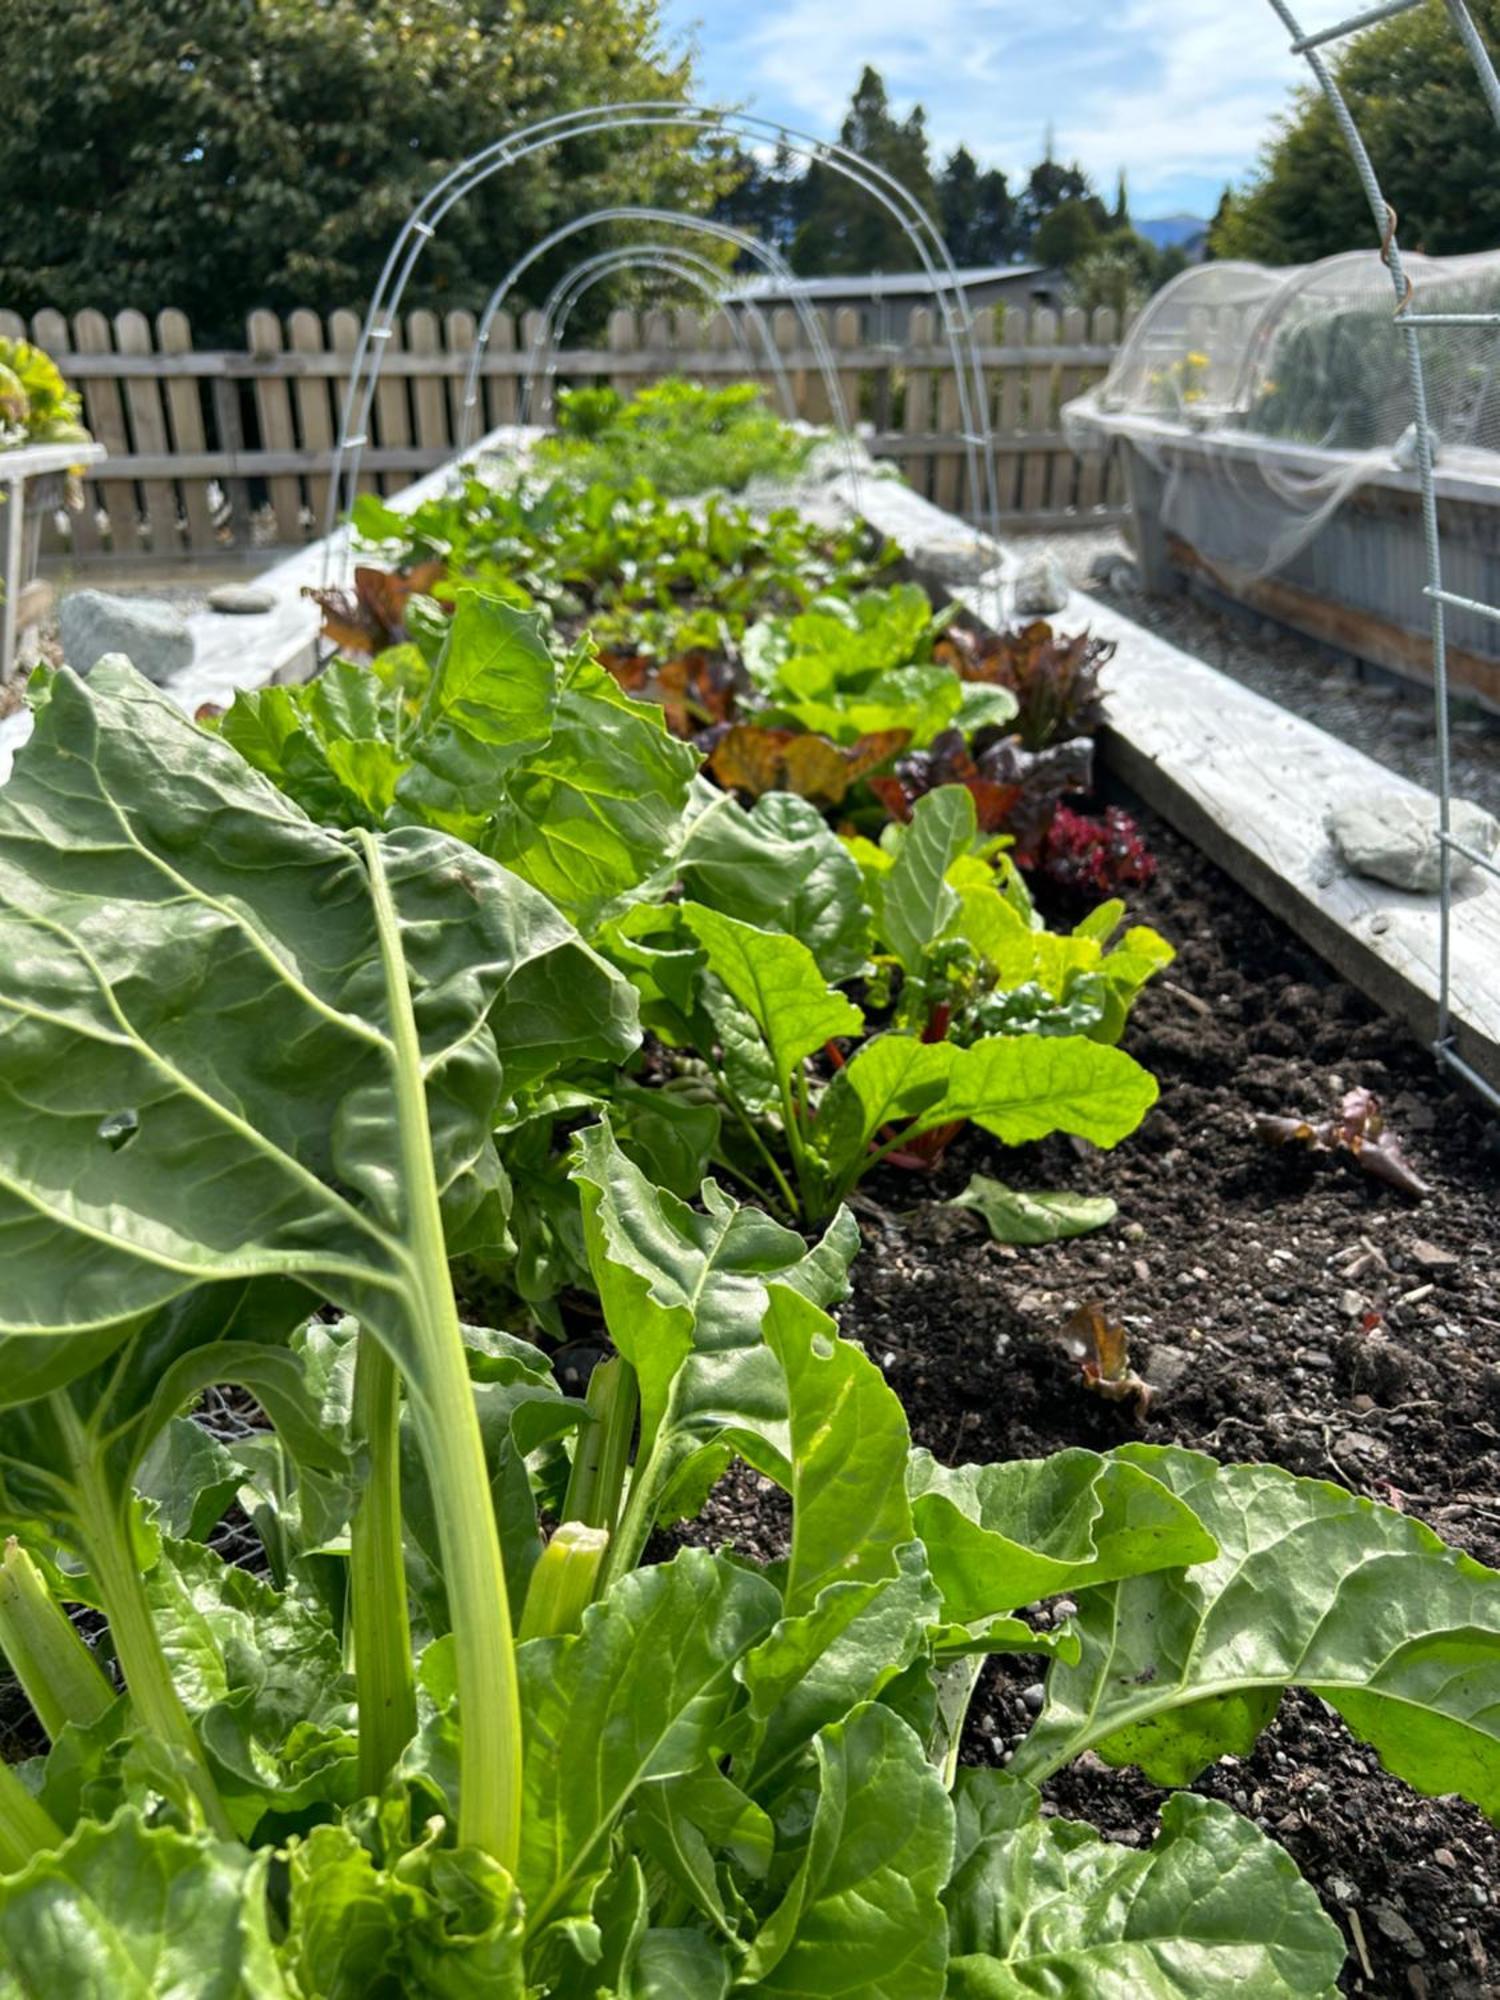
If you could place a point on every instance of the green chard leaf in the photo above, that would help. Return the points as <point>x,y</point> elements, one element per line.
<point>1000,1536</point>
<point>287,1065</point>
<point>591,814</point>
<point>856,1599</point>
<point>776,979</point>
<point>685,1298</point>
<point>916,904</point>
<point>862,1914</point>
<point>1312,1588</point>
<point>781,867</point>
<point>644,1692</point>
<point>446,1924</point>
<point>1021,1215</point>
<point>130,1912</point>
<point>1044,1909</point>
<point>1019,1087</point>
<point>549,768</point>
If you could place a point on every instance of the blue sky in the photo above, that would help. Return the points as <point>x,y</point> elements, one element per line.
<point>1178,92</point>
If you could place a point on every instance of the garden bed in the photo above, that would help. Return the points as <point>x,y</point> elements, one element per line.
<point>539,1093</point>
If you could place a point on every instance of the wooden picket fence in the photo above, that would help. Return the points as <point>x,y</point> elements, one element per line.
<point>212,451</point>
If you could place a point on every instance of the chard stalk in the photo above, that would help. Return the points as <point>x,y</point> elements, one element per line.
<point>447,1424</point>
<point>602,1457</point>
<point>382,1625</point>
<point>58,1674</point>
<point>26,1827</point>
<point>108,1547</point>
<point>648,1482</point>
<point>562,1584</point>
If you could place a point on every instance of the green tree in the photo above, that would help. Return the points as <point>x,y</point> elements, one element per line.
<point>975,210</point>
<point>1430,134</point>
<point>219,155</point>
<point>1068,234</point>
<point>845,229</point>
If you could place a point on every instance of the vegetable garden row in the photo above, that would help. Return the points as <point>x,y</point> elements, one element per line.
<point>477,1059</point>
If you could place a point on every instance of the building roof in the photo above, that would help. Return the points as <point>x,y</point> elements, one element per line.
<point>884,284</point>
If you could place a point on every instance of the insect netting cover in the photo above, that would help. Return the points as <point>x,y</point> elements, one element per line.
<point>1266,398</point>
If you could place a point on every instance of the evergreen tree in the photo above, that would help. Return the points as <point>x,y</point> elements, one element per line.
<point>844,229</point>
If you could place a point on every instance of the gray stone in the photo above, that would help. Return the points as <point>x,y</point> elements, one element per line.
<point>153,636</point>
<point>1042,587</point>
<point>1392,836</point>
<point>241,600</point>
<point>962,557</point>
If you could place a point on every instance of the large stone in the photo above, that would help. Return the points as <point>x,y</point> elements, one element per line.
<point>960,557</point>
<point>153,636</point>
<point>1392,836</point>
<point>241,600</point>
<point>1042,587</point>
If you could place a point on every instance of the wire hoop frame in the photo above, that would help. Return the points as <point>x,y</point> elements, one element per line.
<point>647,114</point>
<point>722,232</point>
<point>701,274</point>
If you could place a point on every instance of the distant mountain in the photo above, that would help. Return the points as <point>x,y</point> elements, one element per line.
<point>1172,232</point>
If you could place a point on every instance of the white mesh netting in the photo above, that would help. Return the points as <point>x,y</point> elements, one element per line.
<point>1266,398</point>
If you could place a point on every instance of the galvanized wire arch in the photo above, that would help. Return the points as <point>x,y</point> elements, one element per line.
<point>1311,46</point>
<point>721,232</point>
<point>702,275</point>
<point>423,223</point>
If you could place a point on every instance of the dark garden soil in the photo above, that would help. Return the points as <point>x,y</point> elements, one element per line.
<point>1285,1308</point>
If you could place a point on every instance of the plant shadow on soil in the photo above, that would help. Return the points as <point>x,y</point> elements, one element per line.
<point>1244,1277</point>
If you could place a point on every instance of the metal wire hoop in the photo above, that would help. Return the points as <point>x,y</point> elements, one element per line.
<point>704,276</point>
<point>721,232</point>
<point>920,230</point>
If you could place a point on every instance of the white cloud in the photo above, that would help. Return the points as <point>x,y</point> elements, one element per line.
<point>1178,92</point>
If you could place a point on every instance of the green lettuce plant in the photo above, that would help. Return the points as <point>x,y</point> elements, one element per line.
<point>859,665</point>
<point>682,436</point>
<point>973,957</point>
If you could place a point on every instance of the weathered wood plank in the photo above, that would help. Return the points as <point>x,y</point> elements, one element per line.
<point>104,413</point>
<point>315,413</point>
<point>185,414</point>
<point>273,408</point>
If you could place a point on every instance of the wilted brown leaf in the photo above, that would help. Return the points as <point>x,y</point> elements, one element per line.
<point>1357,1127</point>
<point>1099,1347</point>
<point>756,761</point>
<point>372,616</point>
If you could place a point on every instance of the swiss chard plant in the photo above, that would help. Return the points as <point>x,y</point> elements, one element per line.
<point>732,1774</point>
<point>806,1115</point>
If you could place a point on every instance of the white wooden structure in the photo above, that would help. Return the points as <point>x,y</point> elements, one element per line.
<point>17,467</point>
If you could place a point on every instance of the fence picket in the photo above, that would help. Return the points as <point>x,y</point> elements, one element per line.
<point>273,408</point>
<point>917,415</point>
<point>314,399</point>
<point>261,424</point>
<point>185,416</point>
<point>104,413</point>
